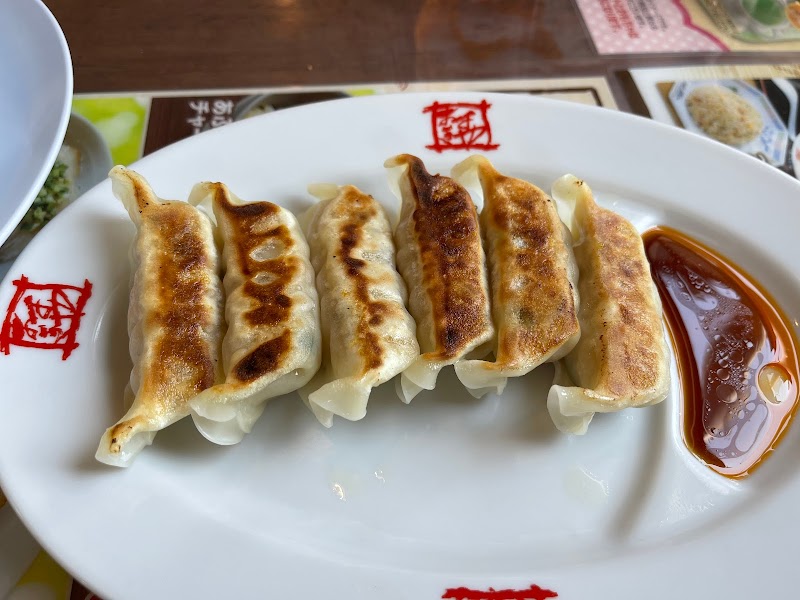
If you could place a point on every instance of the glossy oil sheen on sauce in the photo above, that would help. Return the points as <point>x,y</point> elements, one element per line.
<point>737,355</point>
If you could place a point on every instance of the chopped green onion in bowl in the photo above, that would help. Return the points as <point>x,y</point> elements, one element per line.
<point>55,190</point>
<point>58,191</point>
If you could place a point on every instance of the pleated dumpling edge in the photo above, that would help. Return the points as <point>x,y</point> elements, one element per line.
<point>441,259</point>
<point>622,359</point>
<point>175,278</point>
<point>368,335</point>
<point>272,344</point>
<point>532,274</point>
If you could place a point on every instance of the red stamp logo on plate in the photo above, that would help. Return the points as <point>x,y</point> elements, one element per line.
<point>45,316</point>
<point>460,126</point>
<point>534,592</point>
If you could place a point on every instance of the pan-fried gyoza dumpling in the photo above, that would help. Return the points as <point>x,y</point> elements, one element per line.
<point>272,344</point>
<point>622,357</point>
<point>441,259</point>
<point>368,336</point>
<point>174,315</point>
<point>532,275</point>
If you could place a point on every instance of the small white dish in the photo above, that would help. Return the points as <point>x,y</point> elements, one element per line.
<point>95,155</point>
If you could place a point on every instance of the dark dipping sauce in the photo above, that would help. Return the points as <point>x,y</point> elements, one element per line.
<point>737,356</point>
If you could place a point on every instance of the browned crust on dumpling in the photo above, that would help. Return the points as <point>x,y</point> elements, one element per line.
<point>121,432</point>
<point>628,338</point>
<point>179,281</point>
<point>357,209</point>
<point>141,191</point>
<point>531,260</point>
<point>448,239</point>
<point>245,228</point>
<point>266,358</point>
<point>180,359</point>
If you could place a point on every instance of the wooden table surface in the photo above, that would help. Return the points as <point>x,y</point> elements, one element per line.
<point>143,45</point>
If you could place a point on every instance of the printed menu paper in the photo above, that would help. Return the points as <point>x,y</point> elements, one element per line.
<point>652,26</point>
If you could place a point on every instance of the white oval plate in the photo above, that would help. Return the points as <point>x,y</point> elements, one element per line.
<point>36,72</point>
<point>414,501</point>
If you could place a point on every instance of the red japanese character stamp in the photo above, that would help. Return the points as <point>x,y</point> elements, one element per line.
<point>44,316</point>
<point>534,592</point>
<point>460,126</point>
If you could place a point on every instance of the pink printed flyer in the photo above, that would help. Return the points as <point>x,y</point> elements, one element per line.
<point>667,26</point>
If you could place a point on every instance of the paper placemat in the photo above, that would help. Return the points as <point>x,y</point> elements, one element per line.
<point>754,108</point>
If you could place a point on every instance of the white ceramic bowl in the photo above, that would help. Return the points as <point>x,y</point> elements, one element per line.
<point>36,76</point>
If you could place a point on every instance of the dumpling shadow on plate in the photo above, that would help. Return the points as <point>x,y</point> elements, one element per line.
<point>281,424</point>
<point>182,441</point>
<point>651,457</point>
<point>110,334</point>
<point>429,405</point>
<point>277,429</point>
<point>532,422</point>
<point>520,414</point>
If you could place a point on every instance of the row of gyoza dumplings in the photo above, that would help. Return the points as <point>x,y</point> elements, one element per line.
<point>516,295</point>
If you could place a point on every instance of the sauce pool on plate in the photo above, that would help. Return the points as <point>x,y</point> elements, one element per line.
<point>737,355</point>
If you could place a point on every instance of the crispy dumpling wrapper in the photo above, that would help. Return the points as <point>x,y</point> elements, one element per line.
<point>368,336</point>
<point>272,343</point>
<point>441,259</point>
<point>532,275</point>
<point>622,357</point>
<point>174,315</point>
